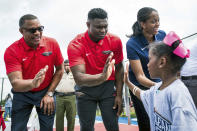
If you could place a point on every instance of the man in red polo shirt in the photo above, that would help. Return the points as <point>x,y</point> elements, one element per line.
<point>30,64</point>
<point>92,56</point>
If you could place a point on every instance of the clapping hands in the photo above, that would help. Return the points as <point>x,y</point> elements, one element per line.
<point>109,66</point>
<point>39,77</point>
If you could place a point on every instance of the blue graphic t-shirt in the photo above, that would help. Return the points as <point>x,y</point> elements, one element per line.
<point>161,124</point>
<point>170,109</point>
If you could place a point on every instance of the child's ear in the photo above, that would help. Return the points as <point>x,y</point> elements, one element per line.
<point>162,62</point>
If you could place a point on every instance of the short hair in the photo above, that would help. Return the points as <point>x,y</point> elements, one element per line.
<point>66,61</point>
<point>160,49</point>
<point>97,13</point>
<point>26,17</point>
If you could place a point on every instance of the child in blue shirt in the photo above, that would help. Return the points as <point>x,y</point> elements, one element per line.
<point>8,105</point>
<point>168,103</point>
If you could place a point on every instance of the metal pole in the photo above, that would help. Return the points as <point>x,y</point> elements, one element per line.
<point>126,97</point>
<point>189,36</point>
<point>2,89</point>
<point>127,106</point>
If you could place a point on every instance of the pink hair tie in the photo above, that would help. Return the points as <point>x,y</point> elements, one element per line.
<point>180,50</point>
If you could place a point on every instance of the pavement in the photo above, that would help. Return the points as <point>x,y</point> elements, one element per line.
<point>33,125</point>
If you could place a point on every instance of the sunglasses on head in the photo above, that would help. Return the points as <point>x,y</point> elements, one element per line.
<point>33,30</point>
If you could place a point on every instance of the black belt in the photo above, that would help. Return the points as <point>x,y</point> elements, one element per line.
<point>188,77</point>
<point>64,94</point>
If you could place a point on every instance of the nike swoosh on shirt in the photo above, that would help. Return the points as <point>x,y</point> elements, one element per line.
<point>87,54</point>
<point>24,59</point>
<point>143,48</point>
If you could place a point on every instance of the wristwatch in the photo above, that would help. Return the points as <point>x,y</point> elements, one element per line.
<point>50,93</point>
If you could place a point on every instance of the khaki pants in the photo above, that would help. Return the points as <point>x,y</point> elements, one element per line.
<point>65,104</point>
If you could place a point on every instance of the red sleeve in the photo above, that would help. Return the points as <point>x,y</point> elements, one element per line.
<point>118,50</point>
<point>75,54</point>
<point>12,61</point>
<point>58,55</point>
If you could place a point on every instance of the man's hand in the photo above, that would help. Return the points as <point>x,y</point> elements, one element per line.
<point>109,66</point>
<point>39,77</point>
<point>48,103</point>
<point>118,104</point>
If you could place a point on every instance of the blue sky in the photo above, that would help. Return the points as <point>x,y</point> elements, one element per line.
<point>64,19</point>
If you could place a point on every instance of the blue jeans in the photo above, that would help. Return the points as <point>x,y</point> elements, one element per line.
<point>23,103</point>
<point>7,112</point>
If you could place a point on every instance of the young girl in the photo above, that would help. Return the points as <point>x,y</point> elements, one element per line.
<point>169,104</point>
<point>8,106</point>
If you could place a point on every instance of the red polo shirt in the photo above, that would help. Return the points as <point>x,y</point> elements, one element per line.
<point>20,57</point>
<point>82,50</point>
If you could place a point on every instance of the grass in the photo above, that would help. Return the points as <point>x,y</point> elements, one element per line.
<point>132,113</point>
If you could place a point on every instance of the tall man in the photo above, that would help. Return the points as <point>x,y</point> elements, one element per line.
<point>92,56</point>
<point>65,100</point>
<point>30,65</point>
<point>189,70</point>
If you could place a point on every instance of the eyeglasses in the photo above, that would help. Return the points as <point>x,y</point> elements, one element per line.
<point>33,30</point>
